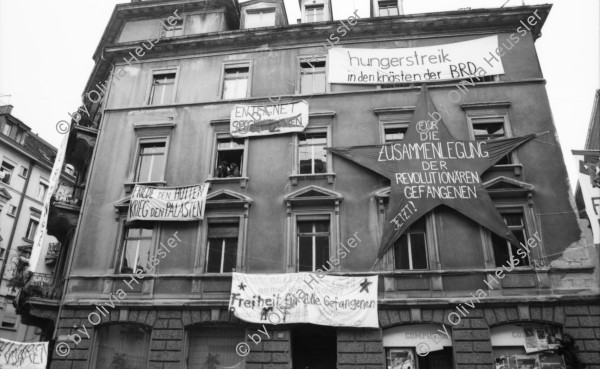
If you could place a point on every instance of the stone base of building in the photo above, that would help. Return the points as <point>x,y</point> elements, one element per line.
<point>468,343</point>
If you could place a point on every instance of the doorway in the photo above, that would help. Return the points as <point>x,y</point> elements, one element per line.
<point>314,347</point>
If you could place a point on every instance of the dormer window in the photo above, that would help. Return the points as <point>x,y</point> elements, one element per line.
<point>260,18</point>
<point>388,8</point>
<point>315,13</point>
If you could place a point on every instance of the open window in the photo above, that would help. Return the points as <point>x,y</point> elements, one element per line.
<point>6,172</point>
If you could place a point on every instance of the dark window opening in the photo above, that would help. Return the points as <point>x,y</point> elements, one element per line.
<point>410,251</point>
<point>6,172</point>
<point>221,256</point>
<point>313,245</point>
<point>395,134</point>
<point>490,131</point>
<point>314,347</point>
<point>230,156</point>
<point>504,250</point>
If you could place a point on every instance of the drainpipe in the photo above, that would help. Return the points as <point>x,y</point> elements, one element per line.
<point>17,218</point>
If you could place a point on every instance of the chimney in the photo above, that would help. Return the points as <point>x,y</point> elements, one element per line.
<point>6,109</point>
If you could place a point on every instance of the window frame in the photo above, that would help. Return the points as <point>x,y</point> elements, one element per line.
<point>12,171</point>
<point>248,12</point>
<point>165,22</point>
<point>10,126</point>
<point>386,4</point>
<point>23,172</point>
<point>93,358</point>
<point>231,65</point>
<point>185,352</point>
<point>314,6</point>
<point>409,244</point>
<point>391,125</point>
<point>296,157</point>
<point>313,218</point>
<point>32,219</point>
<point>14,211</point>
<point>45,183</point>
<point>150,89</point>
<point>520,209</point>
<point>221,131</point>
<point>202,251</point>
<point>310,215</point>
<point>222,220</point>
<point>114,267</point>
<point>141,144</point>
<point>494,118</point>
<point>309,59</point>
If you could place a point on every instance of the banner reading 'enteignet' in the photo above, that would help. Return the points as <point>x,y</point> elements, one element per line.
<point>168,204</point>
<point>406,65</point>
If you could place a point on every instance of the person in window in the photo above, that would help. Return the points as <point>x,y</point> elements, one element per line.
<point>234,171</point>
<point>223,170</point>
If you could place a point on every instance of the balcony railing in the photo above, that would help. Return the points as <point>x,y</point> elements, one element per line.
<point>44,286</point>
<point>52,253</point>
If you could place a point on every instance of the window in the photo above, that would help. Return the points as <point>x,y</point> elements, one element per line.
<point>12,210</point>
<point>137,247</point>
<point>32,228</point>
<point>9,319</point>
<point>313,244</point>
<point>526,346</point>
<point>489,129</point>
<point>235,82</point>
<point>312,153</point>
<point>315,13</point>
<point>6,172</point>
<point>394,133</point>
<point>24,171</point>
<point>221,255</point>
<point>312,77</point>
<point>230,155</point>
<point>121,346</point>
<point>504,250</point>
<point>2,250</point>
<point>151,161</point>
<point>70,169</point>
<point>163,88</point>
<point>388,8</point>
<point>213,347</point>
<point>42,189</point>
<point>260,18</point>
<point>7,128</point>
<point>173,30</point>
<point>410,250</point>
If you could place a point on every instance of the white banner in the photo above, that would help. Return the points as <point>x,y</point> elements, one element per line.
<point>17,355</point>
<point>265,120</point>
<point>53,183</point>
<point>458,60</point>
<point>591,196</point>
<point>169,204</point>
<point>305,298</point>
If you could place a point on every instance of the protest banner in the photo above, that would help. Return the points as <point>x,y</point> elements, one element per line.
<point>168,204</point>
<point>17,355</point>
<point>265,120</point>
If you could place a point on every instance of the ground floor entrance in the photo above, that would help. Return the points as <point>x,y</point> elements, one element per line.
<point>313,347</point>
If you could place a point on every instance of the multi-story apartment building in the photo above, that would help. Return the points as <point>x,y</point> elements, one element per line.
<point>158,112</point>
<point>26,165</point>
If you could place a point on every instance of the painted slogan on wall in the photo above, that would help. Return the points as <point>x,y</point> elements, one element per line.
<point>291,298</point>
<point>169,204</point>
<point>17,355</point>
<point>429,167</point>
<point>407,65</point>
<point>265,120</point>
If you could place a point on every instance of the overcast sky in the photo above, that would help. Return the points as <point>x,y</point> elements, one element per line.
<point>45,66</point>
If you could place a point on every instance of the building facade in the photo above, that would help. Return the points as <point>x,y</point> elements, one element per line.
<point>26,165</point>
<point>158,108</point>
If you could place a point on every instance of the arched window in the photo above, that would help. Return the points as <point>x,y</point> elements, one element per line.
<point>121,346</point>
<point>526,346</point>
<point>214,347</point>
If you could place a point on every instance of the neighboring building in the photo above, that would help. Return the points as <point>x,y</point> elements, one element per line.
<point>587,195</point>
<point>163,119</point>
<point>26,165</point>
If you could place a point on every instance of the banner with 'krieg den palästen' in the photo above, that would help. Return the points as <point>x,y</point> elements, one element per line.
<point>266,120</point>
<point>334,301</point>
<point>406,65</point>
<point>168,204</point>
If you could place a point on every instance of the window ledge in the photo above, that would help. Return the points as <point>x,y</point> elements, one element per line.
<point>517,169</point>
<point>329,176</point>
<point>27,240</point>
<point>243,181</point>
<point>130,185</point>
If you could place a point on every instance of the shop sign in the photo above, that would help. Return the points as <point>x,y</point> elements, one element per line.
<point>413,335</point>
<point>18,355</point>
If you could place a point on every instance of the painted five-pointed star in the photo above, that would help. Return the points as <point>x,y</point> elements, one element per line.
<point>365,286</point>
<point>429,167</point>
